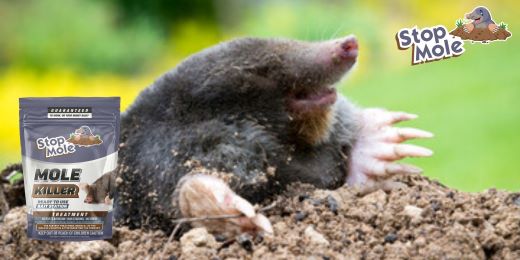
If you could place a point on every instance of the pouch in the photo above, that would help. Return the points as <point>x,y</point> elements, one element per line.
<point>69,157</point>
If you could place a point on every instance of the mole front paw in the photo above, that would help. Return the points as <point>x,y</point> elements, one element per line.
<point>208,196</point>
<point>378,146</point>
<point>493,28</point>
<point>468,28</point>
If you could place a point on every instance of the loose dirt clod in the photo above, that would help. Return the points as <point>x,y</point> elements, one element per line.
<point>422,220</point>
<point>315,237</point>
<point>198,243</point>
<point>413,212</point>
<point>88,250</point>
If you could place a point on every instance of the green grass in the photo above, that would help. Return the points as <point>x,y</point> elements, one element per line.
<point>9,158</point>
<point>459,23</point>
<point>471,103</point>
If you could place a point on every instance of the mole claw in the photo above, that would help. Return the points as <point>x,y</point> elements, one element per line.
<point>410,150</point>
<point>410,116</point>
<point>399,151</point>
<point>263,223</point>
<point>401,116</point>
<point>399,168</point>
<point>402,134</point>
<point>243,206</point>
<point>410,133</point>
<point>375,117</point>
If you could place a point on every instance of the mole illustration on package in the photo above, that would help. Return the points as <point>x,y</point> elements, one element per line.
<point>102,190</point>
<point>69,157</point>
<point>83,136</point>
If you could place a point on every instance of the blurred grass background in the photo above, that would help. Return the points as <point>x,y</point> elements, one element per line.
<point>118,47</point>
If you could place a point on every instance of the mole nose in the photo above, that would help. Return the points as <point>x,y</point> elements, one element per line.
<point>349,48</point>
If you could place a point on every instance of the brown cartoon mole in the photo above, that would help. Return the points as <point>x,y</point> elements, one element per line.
<point>235,123</point>
<point>100,191</point>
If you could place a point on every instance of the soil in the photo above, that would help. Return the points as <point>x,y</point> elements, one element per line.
<point>11,195</point>
<point>84,140</point>
<point>422,220</point>
<point>481,34</point>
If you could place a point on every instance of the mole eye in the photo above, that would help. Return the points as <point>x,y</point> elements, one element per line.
<point>481,12</point>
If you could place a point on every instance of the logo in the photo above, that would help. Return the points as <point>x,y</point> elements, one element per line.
<point>480,27</point>
<point>83,136</point>
<point>429,44</point>
<point>55,146</point>
<point>59,145</point>
<point>435,43</point>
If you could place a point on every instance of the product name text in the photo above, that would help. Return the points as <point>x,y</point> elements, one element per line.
<point>55,146</point>
<point>429,44</point>
<point>57,174</point>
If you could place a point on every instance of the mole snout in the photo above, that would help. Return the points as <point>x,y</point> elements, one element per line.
<point>349,48</point>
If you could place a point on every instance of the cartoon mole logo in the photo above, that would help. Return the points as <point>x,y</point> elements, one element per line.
<point>480,27</point>
<point>83,136</point>
<point>435,43</point>
<point>429,44</point>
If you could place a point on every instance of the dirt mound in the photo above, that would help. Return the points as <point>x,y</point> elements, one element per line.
<point>481,34</point>
<point>423,220</point>
<point>85,140</point>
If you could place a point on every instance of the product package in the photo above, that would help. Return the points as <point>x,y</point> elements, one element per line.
<point>69,156</point>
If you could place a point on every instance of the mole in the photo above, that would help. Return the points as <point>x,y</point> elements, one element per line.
<point>101,190</point>
<point>84,130</point>
<point>481,19</point>
<point>234,124</point>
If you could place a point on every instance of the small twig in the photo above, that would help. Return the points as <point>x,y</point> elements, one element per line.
<point>174,231</point>
<point>227,243</point>
<point>170,239</point>
<point>268,207</point>
<point>205,218</point>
